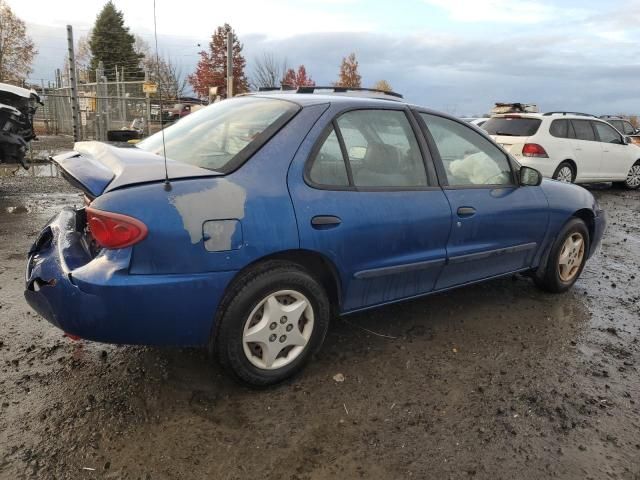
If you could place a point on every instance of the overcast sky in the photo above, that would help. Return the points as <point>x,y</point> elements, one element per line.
<point>460,56</point>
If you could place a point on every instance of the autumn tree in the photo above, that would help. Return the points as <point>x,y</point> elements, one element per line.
<point>383,85</point>
<point>348,75</point>
<point>17,50</point>
<point>268,71</point>
<point>297,79</point>
<point>211,70</point>
<point>112,44</point>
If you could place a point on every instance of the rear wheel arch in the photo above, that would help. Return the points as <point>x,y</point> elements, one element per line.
<point>314,263</point>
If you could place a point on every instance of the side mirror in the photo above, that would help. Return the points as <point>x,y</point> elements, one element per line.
<point>626,140</point>
<point>530,177</point>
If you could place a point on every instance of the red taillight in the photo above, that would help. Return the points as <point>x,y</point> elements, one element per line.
<point>534,150</point>
<point>114,230</point>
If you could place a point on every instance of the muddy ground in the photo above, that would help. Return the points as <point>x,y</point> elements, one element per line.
<point>495,381</point>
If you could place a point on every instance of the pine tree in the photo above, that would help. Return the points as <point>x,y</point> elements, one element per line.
<point>348,75</point>
<point>112,44</point>
<point>211,70</point>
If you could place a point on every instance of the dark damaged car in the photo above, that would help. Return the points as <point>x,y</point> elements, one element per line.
<point>278,211</point>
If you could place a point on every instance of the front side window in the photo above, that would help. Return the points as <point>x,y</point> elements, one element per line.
<point>606,133</point>
<point>583,130</point>
<point>213,137</point>
<point>468,157</point>
<point>382,149</point>
<point>628,128</point>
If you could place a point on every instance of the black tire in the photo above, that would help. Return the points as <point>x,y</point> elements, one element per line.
<point>245,294</point>
<point>548,276</point>
<point>561,167</point>
<point>631,183</point>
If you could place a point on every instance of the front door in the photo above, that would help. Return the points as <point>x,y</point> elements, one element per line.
<point>368,206</point>
<point>496,227</point>
<point>615,153</point>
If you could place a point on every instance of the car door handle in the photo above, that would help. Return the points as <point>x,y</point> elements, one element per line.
<point>320,222</point>
<point>466,211</point>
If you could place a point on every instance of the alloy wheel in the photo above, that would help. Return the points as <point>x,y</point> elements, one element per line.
<point>565,175</point>
<point>571,256</point>
<point>633,177</point>
<point>278,330</point>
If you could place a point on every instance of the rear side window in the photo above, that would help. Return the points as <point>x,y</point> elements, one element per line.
<point>329,168</point>
<point>512,126</point>
<point>583,130</point>
<point>559,128</point>
<point>372,148</point>
<point>382,149</point>
<point>606,133</point>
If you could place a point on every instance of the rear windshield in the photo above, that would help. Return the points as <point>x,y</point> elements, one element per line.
<point>512,126</point>
<point>221,136</point>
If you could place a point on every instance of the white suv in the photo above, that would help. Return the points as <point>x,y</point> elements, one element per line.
<point>569,147</point>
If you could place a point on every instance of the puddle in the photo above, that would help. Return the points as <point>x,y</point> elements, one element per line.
<point>19,209</point>
<point>36,170</point>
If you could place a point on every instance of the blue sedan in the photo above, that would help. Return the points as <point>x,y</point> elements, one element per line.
<point>246,226</point>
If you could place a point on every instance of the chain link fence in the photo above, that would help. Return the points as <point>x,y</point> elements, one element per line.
<point>105,108</point>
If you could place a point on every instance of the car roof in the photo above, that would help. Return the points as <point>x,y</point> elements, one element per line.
<point>551,115</point>
<point>306,99</point>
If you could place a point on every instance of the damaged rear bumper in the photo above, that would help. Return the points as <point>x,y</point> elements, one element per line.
<point>97,298</point>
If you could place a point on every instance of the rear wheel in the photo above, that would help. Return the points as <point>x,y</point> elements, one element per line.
<point>565,173</point>
<point>566,259</point>
<point>273,320</point>
<point>633,177</point>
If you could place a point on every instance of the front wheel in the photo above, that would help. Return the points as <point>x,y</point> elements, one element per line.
<point>274,319</point>
<point>566,259</point>
<point>565,173</point>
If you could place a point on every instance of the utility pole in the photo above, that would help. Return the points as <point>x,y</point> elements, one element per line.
<point>229,64</point>
<point>147,94</point>
<point>99,101</point>
<point>75,106</point>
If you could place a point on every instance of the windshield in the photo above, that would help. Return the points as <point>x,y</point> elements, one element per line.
<point>512,126</point>
<point>217,136</point>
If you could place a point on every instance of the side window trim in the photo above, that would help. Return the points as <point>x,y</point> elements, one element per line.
<point>442,175</point>
<point>343,149</point>
<point>432,183</point>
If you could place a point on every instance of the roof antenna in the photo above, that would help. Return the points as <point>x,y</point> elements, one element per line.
<point>167,185</point>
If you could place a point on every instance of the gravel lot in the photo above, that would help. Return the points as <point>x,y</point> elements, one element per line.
<point>495,381</point>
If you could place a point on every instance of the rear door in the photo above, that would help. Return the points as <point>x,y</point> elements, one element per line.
<point>587,149</point>
<point>615,162</point>
<point>364,200</point>
<point>497,225</point>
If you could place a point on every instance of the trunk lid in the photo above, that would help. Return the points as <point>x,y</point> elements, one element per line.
<point>511,144</point>
<point>97,167</point>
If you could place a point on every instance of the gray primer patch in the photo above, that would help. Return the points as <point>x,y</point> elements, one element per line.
<point>222,235</point>
<point>225,200</point>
